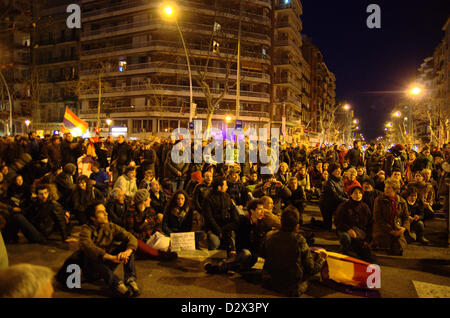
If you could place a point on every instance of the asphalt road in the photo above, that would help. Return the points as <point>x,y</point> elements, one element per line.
<point>423,271</point>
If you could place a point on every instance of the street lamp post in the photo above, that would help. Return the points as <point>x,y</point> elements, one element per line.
<point>27,123</point>
<point>108,122</point>
<point>169,11</point>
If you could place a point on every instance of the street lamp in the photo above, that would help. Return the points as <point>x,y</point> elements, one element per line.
<point>397,114</point>
<point>170,11</point>
<point>347,107</point>
<point>415,91</point>
<point>355,121</point>
<point>27,123</point>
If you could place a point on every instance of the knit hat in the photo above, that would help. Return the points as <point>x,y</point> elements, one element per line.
<point>141,195</point>
<point>70,168</point>
<point>197,176</point>
<point>332,167</point>
<point>353,189</point>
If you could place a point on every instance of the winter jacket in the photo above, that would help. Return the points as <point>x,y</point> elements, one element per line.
<point>353,215</point>
<point>127,185</point>
<point>98,240</point>
<point>177,220</point>
<point>159,204</point>
<point>141,224</point>
<point>384,224</point>
<point>354,157</point>
<point>101,181</point>
<point>288,260</point>
<point>238,193</point>
<point>201,192</point>
<point>251,236</point>
<point>369,198</point>
<point>121,154</point>
<point>46,216</point>
<point>220,213</point>
<point>332,195</point>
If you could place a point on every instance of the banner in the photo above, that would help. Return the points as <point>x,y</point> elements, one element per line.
<point>72,122</point>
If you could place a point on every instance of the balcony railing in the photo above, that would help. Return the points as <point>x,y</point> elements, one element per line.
<point>164,87</point>
<point>193,4</point>
<point>193,26</point>
<point>58,41</point>
<point>57,60</point>
<point>174,66</point>
<point>172,109</point>
<point>190,46</point>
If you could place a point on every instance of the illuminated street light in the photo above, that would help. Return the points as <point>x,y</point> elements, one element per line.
<point>27,123</point>
<point>357,127</point>
<point>389,124</point>
<point>347,107</point>
<point>355,121</point>
<point>228,119</point>
<point>415,91</point>
<point>397,114</point>
<point>171,12</point>
<point>108,122</point>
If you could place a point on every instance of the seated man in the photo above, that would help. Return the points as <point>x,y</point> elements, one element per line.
<point>416,217</point>
<point>288,259</point>
<point>38,220</point>
<point>249,240</point>
<point>221,218</point>
<point>100,178</point>
<point>298,197</point>
<point>370,193</point>
<point>158,196</point>
<point>127,183</point>
<point>117,206</point>
<point>104,245</point>
<point>202,191</point>
<point>354,225</point>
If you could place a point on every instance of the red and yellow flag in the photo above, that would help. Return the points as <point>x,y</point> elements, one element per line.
<point>71,121</point>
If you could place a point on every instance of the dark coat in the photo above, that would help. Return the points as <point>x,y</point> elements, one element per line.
<point>369,198</point>
<point>116,211</point>
<point>354,157</point>
<point>220,213</point>
<point>277,195</point>
<point>352,215</point>
<point>46,216</point>
<point>251,236</point>
<point>159,204</point>
<point>238,193</point>
<point>121,154</point>
<point>332,195</point>
<point>177,221</point>
<point>287,260</point>
<point>201,192</point>
<point>297,199</point>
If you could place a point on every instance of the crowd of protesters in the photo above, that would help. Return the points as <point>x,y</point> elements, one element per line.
<point>132,192</point>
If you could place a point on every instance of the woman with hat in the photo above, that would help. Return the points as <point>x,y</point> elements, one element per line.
<point>144,223</point>
<point>354,224</point>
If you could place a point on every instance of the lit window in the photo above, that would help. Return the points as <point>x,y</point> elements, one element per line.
<point>217,27</point>
<point>216,46</point>
<point>122,66</point>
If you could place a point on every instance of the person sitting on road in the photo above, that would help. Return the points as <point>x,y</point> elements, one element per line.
<point>349,179</point>
<point>391,219</point>
<point>250,237</point>
<point>99,178</point>
<point>83,196</point>
<point>117,206</point>
<point>145,224</point>
<point>221,217</point>
<point>103,245</point>
<point>417,214</point>
<point>127,183</point>
<point>354,225</point>
<point>288,259</point>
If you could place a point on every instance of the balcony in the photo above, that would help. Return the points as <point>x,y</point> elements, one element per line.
<point>167,46</point>
<point>158,66</point>
<point>175,110</point>
<point>289,43</point>
<point>58,41</point>
<point>57,60</point>
<point>169,89</point>
<point>155,23</point>
<point>192,5</point>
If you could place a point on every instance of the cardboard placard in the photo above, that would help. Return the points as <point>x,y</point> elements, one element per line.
<point>182,241</point>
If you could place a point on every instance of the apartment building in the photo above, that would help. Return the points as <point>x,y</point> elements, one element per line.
<point>291,73</point>
<point>54,65</point>
<point>14,65</point>
<point>136,54</point>
<point>323,84</point>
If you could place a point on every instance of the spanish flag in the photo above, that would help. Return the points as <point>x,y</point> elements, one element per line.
<point>71,121</point>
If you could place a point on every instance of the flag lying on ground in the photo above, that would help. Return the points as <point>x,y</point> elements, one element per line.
<point>71,121</point>
<point>345,269</point>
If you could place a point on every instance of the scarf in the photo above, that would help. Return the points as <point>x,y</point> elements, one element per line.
<point>393,210</point>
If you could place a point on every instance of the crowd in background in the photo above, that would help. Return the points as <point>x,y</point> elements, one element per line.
<point>377,198</point>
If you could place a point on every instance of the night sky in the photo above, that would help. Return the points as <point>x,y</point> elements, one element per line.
<point>367,61</point>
